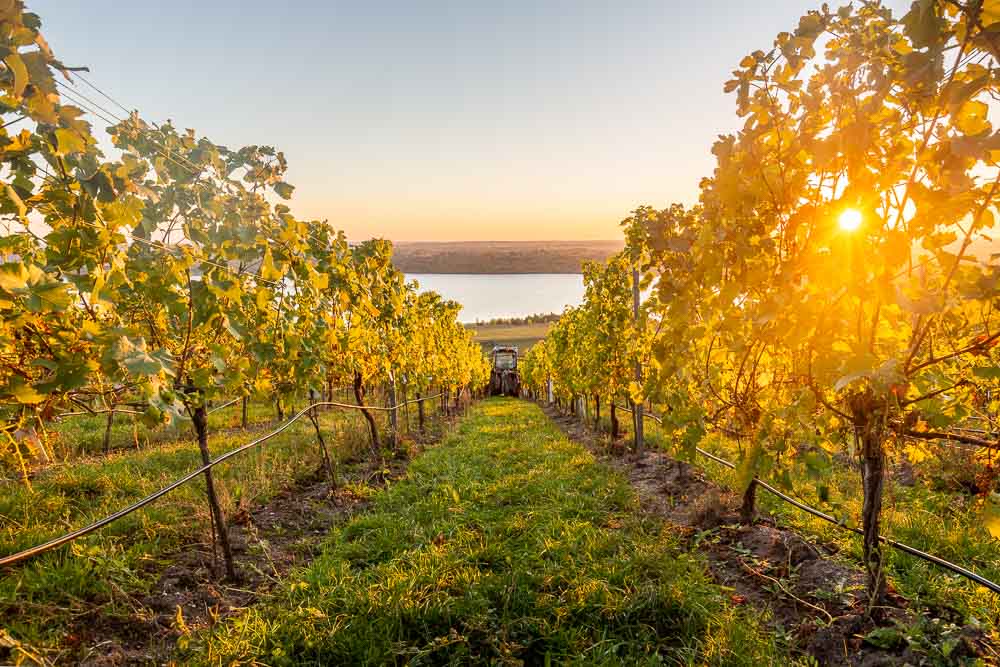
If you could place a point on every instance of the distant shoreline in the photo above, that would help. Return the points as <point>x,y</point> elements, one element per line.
<point>500,257</point>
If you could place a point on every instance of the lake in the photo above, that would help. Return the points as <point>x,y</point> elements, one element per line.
<point>488,296</point>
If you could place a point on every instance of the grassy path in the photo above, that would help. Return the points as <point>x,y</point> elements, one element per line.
<point>109,573</point>
<point>506,544</point>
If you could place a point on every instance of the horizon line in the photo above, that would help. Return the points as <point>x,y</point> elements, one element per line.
<point>507,241</point>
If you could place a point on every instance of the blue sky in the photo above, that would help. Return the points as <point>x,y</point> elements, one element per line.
<point>440,120</point>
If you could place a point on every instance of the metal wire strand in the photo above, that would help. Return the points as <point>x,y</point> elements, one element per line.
<point>101,523</point>
<point>905,548</point>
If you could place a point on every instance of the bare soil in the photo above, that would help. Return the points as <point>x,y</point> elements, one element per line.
<point>269,542</point>
<point>810,595</point>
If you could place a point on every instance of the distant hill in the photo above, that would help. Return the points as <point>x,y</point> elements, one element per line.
<point>500,256</point>
<point>521,336</point>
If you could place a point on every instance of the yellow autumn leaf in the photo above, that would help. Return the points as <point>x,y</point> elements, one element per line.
<point>264,298</point>
<point>22,210</point>
<point>20,72</point>
<point>99,282</point>
<point>268,271</point>
<point>68,141</point>
<point>320,280</point>
<point>989,13</point>
<point>18,142</point>
<point>25,394</point>
<point>971,119</point>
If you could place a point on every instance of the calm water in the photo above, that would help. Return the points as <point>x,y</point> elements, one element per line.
<point>484,297</point>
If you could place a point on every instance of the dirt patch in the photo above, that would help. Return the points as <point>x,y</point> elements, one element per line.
<point>189,595</point>
<point>813,598</point>
<point>268,542</point>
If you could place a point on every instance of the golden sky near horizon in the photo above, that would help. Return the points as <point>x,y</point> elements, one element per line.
<point>523,120</point>
<point>521,220</point>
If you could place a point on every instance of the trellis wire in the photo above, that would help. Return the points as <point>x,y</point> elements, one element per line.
<point>97,525</point>
<point>905,548</point>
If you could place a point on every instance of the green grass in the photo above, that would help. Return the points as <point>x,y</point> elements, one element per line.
<point>522,336</point>
<point>38,599</point>
<point>945,523</point>
<point>83,435</point>
<point>506,544</point>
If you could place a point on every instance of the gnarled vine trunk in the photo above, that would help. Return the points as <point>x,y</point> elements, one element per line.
<point>327,461</point>
<point>614,420</point>
<point>873,482</point>
<point>359,396</point>
<point>870,431</point>
<point>199,416</point>
<point>748,510</point>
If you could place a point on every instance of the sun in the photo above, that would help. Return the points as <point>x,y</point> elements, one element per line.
<point>850,219</point>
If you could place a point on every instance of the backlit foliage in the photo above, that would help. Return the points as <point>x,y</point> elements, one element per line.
<point>779,327</point>
<point>176,274</point>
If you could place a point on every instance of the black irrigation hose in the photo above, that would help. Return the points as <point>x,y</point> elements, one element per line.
<point>905,548</point>
<point>97,525</point>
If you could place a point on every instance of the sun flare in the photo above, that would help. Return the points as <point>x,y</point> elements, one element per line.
<point>850,219</point>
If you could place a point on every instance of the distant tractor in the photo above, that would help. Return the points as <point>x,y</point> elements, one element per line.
<point>505,380</point>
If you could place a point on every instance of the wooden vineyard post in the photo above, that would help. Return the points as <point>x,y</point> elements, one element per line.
<point>393,413</point>
<point>637,405</point>
<point>406,410</point>
<point>107,430</point>
<point>420,412</point>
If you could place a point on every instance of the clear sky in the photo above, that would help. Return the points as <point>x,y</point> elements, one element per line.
<point>465,120</point>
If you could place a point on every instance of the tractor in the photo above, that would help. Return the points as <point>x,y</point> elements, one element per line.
<point>505,380</point>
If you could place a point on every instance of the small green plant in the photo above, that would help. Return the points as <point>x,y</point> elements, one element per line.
<point>505,544</point>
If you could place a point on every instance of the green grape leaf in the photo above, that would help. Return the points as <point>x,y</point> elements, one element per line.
<point>284,190</point>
